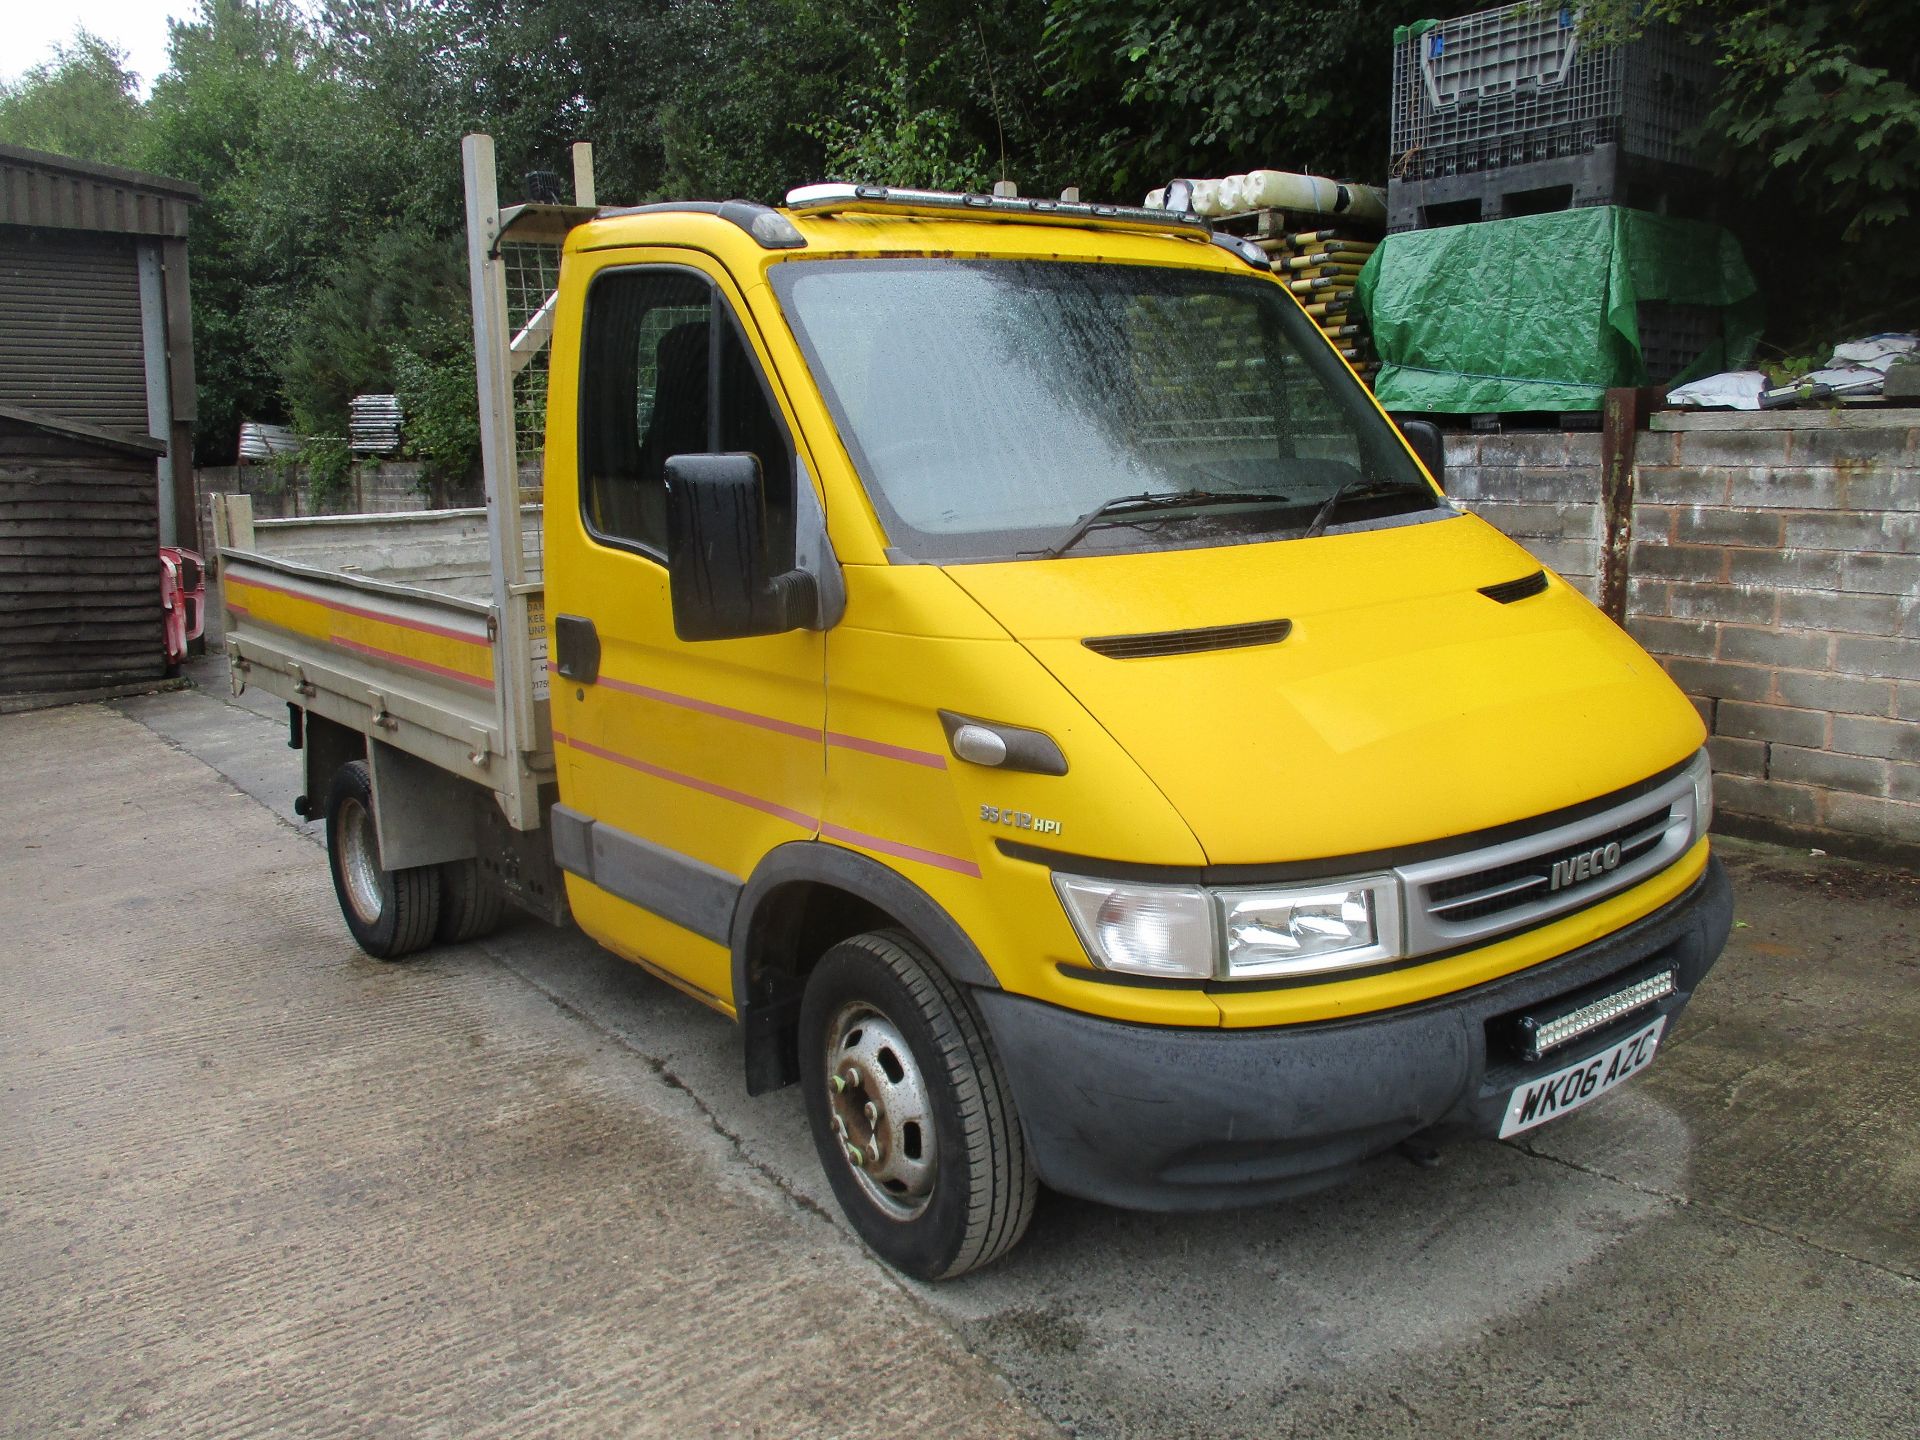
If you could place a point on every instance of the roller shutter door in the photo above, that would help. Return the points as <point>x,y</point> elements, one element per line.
<point>70,341</point>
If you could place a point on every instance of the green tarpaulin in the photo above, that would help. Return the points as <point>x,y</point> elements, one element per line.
<point>1545,312</point>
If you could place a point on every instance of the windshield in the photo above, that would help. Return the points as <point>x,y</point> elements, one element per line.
<point>993,407</point>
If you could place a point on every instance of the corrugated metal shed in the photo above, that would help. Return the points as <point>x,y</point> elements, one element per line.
<point>95,326</point>
<point>57,192</point>
<point>79,563</point>
<point>70,315</point>
<point>263,442</point>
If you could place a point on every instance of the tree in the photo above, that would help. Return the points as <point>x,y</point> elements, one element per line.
<point>296,171</point>
<point>893,128</point>
<point>83,102</point>
<point>1211,88</point>
<point>1815,128</point>
<point>324,138</point>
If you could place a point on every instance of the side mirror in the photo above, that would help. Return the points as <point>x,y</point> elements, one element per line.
<point>717,572</point>
<point>1425,438</point>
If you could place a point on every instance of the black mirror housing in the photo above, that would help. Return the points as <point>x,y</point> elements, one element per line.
<point>1427,442</point>
<point>717,574</point>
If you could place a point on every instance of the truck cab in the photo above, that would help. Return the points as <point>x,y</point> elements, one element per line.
<point>1050,605</point>
<point>999,653</point>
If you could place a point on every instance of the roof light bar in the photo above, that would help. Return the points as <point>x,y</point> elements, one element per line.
<point>838,199</point>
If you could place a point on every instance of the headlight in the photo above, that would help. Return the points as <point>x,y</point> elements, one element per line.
<point>1164,930</point>
<point>1305,930</point>
<point>1182,931</point>
<point>1702,795</point>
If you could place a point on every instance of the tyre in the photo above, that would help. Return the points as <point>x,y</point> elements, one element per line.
<point>391,913</point>
<point>470,909</point>
<point>910,1112</point>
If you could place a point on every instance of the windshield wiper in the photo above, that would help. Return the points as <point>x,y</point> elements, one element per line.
<point>1354,485</point>
<point>1149,501</point>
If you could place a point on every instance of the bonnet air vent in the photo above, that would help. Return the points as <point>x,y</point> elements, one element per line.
<point>1188,642</point>
<point>1508,591</point>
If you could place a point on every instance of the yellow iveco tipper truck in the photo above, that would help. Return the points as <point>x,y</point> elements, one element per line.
<point>996,651</point>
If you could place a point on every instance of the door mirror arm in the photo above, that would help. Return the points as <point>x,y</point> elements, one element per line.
<point>813,553</point>
<point>1426,441</point>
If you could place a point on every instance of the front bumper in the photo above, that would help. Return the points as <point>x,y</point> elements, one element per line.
<point>1154,1118</point>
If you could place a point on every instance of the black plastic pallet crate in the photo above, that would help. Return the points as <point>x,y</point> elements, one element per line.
<point>1522,83</point>
<point>1602,175</point>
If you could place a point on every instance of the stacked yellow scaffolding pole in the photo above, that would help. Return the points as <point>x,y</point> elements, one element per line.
<point>1319,267</point>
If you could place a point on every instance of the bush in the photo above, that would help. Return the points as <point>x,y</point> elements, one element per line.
<point>440,409</point>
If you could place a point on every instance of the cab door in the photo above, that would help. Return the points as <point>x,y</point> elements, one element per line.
<point>681,763</point>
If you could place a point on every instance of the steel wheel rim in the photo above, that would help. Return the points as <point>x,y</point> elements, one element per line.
<point>360,861</point>
<point>880,1111</point>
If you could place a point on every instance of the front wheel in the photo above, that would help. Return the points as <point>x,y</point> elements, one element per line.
<point>390,913</point>
<point>911,1114</point>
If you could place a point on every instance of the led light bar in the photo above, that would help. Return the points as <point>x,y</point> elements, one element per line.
<point>1543,1036</point>
<point>835,199</point>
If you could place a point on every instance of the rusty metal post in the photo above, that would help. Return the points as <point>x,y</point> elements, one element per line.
<point>1620,427</point>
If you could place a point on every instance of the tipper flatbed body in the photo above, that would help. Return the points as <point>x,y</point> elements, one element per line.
<point>368,654</point>
<point>422,668</point>
<point>998,653</point>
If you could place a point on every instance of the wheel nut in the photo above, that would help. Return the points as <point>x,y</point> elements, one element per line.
<point>853,1078</point>
<point>853,1154</point>
<point>873,1113</point>
<point>839,1085</point>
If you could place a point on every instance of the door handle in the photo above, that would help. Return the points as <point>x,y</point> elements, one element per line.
<point>576,648</point>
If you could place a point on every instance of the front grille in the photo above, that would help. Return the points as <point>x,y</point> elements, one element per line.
<point>1508,887</point>
<point>1474,895</point>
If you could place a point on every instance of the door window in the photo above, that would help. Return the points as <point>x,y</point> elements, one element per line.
<point>666,372</point>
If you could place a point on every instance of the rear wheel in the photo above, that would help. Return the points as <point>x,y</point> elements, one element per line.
<point>911,1115</point>
<point>390,913</point>
<point>470,909</point>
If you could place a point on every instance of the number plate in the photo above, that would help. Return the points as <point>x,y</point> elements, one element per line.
<point>1553,1095</point>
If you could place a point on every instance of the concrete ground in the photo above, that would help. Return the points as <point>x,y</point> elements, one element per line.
<point>252,1180</point>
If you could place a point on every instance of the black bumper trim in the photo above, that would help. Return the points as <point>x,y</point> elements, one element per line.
<point>1160,1118</point>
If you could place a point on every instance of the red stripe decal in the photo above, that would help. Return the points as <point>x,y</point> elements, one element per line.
<point>705,787</point>
<point>905,852</point>
<point>886,751</point>
<point>420,625</point>
<point>412,664</point>
<point>707,707</point>
<point>768,807</point>
<point>781,727</point>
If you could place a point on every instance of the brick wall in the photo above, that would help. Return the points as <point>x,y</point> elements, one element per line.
<point>1775,572</point>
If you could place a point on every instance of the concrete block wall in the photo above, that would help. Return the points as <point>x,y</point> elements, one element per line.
<point>1775,571</point>
<point>374,487</point>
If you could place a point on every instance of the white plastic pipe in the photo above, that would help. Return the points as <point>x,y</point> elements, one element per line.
<point>1288,190</point>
